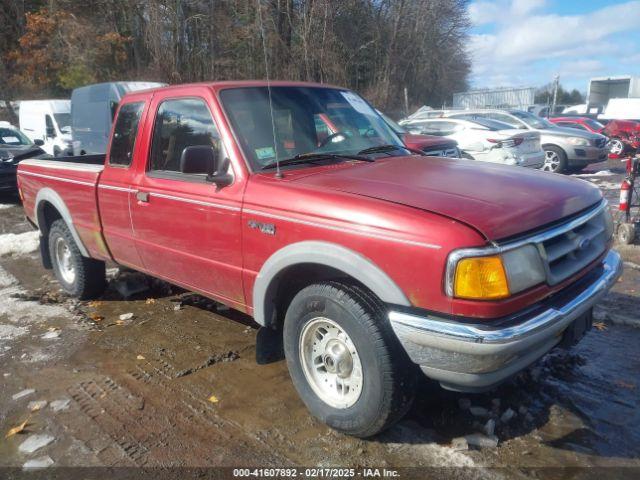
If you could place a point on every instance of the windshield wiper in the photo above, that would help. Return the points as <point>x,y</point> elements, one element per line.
<point>380,149</point>
<point>311,157</point>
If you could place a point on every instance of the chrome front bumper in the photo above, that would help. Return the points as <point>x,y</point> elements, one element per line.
<point>476,357</point>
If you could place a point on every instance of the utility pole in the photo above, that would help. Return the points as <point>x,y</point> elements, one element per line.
<point>556,83</point>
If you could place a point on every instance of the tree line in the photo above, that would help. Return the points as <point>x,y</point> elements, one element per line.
<point>377,47</point>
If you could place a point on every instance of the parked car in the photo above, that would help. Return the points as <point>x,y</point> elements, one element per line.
<point>488,140</point>
<point>579,123</point>
<point>430,145</point>
<point>564,148</point>
<point>92,110</point>
<point>365,259</point>
<point>49,121</point>
<point>14,147</point>
<point>545,111</point>
<point>623,134</point>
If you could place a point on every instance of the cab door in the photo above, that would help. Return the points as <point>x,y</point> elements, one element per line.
<point>116,188</point>
<point>187,229</point>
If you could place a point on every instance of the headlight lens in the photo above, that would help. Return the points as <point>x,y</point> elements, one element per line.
<point>498,276</point>
<point>578,141</point>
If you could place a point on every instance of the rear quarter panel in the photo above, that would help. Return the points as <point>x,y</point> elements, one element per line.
<point>75,184</point>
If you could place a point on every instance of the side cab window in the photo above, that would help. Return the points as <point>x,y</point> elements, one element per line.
<point>125,133</point>
<point>181,123</point>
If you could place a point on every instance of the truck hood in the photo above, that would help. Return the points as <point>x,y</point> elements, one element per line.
<point>498,201</point>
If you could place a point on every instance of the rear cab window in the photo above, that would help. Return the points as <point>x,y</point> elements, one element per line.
<point>125,133</point>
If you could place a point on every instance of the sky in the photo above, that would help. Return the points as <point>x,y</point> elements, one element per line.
<point>528,42</point>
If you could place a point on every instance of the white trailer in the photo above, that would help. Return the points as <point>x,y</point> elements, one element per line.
<point>603,89</point>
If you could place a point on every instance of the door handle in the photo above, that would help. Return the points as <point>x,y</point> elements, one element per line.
<point>142,196</point>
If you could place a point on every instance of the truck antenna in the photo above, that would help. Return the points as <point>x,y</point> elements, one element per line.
<point>266,69</point>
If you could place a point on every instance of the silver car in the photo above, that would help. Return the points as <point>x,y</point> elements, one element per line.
<point>564,148</point>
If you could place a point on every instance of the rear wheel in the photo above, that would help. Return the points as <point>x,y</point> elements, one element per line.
<point>555,160</point>
<point>79,276</point>
<point>345,361</point>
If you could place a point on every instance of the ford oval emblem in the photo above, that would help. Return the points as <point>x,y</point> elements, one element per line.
<point>584,243</point>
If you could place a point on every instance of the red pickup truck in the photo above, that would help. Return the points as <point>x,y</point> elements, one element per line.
<point>366,258</point>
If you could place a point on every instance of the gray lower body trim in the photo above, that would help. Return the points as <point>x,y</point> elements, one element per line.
<point>477,357</point>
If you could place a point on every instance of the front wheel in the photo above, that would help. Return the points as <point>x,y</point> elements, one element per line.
<point>344,360</point>
<point>555,160</point>
<point>79,276</point>
<point>616,147</point>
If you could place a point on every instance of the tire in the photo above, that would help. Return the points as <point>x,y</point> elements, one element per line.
<point>555,160</point>
<point>79,276</point>
<point>357,337</point>
<point>626,233</point>
<point>617,147</point>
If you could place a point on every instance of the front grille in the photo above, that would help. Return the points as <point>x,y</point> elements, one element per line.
<point>447,152</point>
<point>600,142</point>
<point>574,248</point>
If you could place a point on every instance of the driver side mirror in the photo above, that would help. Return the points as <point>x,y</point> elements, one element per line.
<point>38,142</point>
<point>204,159</point>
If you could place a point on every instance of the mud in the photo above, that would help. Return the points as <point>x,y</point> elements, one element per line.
<point>178,385</point>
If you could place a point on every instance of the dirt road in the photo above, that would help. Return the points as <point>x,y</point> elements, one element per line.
<point>176,384</point>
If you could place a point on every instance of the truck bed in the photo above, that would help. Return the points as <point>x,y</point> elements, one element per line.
<point>70,185</point>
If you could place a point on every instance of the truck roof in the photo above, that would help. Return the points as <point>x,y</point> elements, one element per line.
<point>221,85</point>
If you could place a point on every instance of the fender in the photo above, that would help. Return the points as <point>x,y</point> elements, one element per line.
<point>49,195</point>
<point>322,253</point>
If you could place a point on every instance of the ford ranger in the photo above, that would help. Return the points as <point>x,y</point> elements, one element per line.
<point>371,262</point>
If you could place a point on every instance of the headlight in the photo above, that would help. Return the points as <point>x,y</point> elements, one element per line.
<point>578,141</point>
<point>492,277</point>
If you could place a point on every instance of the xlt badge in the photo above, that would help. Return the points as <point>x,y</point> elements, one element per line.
<point>266,228</point>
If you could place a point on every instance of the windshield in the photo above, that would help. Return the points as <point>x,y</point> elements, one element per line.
<point>305,120</point>
<point>594,124</point>
<point>532,120</point>
<point>64,122</point>
<point>395,126</point>
<point>10,136</point>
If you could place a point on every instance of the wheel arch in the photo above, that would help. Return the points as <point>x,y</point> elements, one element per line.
<point>320,261</point>
<point>49,207</point>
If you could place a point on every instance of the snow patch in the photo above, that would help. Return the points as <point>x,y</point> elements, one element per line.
<point>601,173</point>
<point>19,244</point>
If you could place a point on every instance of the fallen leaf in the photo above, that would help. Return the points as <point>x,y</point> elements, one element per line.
<point>213,399</point>
<point>150,301</point>
<point>627,385</point>
<point>140,357</point>
<point>17,429</point>
<point>119,322</point>
<point>600,326</point>
<point>96,318</point>
<point>95,303</point>
<point>53,329</point>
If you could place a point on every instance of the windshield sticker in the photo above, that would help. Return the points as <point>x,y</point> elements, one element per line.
<point>265,153</point>
<point>11,139</point>
<point>358,103</point>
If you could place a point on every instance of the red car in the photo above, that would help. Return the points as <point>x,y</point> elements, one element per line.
<point>624,136</point>
<point>580,123</point>
<point>369,262</point>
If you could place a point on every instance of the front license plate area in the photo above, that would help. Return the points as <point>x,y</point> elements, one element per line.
<point>577,329</point>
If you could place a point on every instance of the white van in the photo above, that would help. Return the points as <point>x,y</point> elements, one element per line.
<point>92,110</point>
<point>49,121</point>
